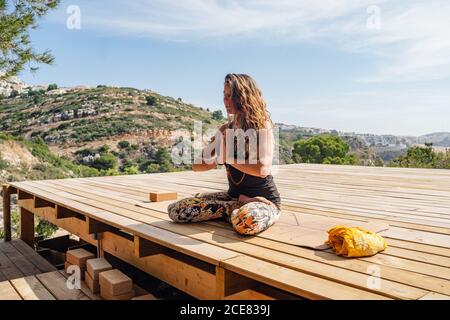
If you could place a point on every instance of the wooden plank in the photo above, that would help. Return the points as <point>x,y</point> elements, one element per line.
<point>27,227</point>
<point>21,263</point>
<point>418,236</point>
<point>7,291</point>
<point>30,288</point>
<point>32,256</point>
<point>56,284</point>
<point>7,268</point>
<point>435,296</point>
<point>6,211</point>
<point>296,282</point>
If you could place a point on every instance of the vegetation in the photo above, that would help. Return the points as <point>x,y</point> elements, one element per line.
<point>217,115</point>
<point>16,19</point>
<point>151,100</point>
<point>105,162</point>
<point>423,157</point>
<point>52,86</point>
<point>42,228</point>
<point>326,149</point>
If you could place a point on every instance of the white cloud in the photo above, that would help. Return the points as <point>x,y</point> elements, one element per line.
<point>412,43</point>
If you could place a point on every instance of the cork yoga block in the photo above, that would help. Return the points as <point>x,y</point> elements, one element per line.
<point>115,283</point>
<point>92,284</point>
<point>79,257</point>
<point>126,296</point>
<point>163,196</point>
<point>95,266</point>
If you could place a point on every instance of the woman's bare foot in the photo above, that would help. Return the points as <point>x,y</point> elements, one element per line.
<point>244,199</point>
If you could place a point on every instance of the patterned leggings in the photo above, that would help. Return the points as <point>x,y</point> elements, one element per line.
<point>248,219</point>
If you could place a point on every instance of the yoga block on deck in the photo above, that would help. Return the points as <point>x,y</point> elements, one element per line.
<point>79,257</point>
<point>126,296</point>
<point>115,283</point>
<point>163,196</point>
<point>93,285</point>
<point>95,266</point>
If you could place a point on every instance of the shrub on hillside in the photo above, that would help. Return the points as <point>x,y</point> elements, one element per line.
<point>52,86</point>
<point>151,100</point>
<point>105,162</point>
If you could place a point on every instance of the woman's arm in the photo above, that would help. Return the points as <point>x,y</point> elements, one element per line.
<point>209,162</point>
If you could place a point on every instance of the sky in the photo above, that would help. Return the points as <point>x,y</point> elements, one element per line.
<point>362,66</point>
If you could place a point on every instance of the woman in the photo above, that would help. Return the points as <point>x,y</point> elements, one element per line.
<point>252,202</point>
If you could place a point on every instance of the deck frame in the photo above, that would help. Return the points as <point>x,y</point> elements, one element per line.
<point>210,261</point>
<point>175,268</point>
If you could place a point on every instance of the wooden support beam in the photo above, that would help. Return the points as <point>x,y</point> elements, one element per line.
<point>145,248</point>
<point>42,203</point>
<point>7,211</point>
<point>94,226</point>
<point>229,283</point>
<point>63,213</point>
<point>27,227</point>
<point>25,195</point>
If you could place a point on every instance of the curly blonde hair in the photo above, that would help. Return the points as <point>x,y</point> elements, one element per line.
<point>248,101</point>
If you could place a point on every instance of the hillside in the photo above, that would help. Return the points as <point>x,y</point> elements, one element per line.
<point>84,124</point>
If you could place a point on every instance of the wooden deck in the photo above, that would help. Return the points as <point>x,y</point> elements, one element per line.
<point>209,261</point>
<point>25,275</point>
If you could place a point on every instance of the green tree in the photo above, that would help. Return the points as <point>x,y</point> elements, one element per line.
<point>443,161</point>
<point>418,157</point>
<point>151,100</point>
<point>17,18</point>
<point>164,160</point>
<point>327,149</point>
<point>217,115</point>
<point>105,162</point>
<point>52,86</point>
